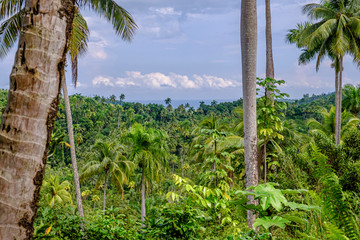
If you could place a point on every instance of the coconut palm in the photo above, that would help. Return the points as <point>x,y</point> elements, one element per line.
<point>351,101</point>
<point>336,33</point>
<point>206,143</point>
<point>12,13</point>
<point>327,125</point>
<point>248,55</point>
<point>31,107</point>
<point>211,143</point>
<point>56,194</point>
<point>149,151</point>
<point>107,161</point>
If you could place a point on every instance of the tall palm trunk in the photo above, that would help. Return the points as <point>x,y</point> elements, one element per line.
<point>265,163</point>
<point>72,149</point>
<point>105,187</point>
<point>143,207</point>
<point>338,104</point>
<point>269,51</point>
<point>31,110</point>
<point>248,53</point>
<point>337,107</point>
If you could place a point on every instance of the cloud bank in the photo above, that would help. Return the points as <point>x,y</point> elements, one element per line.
<point>159,80</point>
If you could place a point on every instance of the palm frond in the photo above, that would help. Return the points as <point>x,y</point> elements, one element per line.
<point>9,8</point>
<point>9,32</point>
<point>122,21</point>
<point>78,42</point>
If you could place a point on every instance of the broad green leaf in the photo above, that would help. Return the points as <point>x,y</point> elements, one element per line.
<point>267,222</point>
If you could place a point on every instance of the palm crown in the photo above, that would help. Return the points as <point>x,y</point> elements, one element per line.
<point>11,12</point>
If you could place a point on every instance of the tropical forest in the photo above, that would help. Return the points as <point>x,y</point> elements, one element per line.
<point>265,166</point>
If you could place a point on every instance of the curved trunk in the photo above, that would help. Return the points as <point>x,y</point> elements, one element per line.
<point>143,207</point>
<point>269,51</point>
<point>31,110</point>
<point>104,200</point>
<point>248,54</point>
<point>72,149</point>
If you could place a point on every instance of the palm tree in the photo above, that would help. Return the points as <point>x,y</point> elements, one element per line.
<point>149,151</point>
<point>107,161</point>
<point>31,108</point>
<point>56,194</point>
<point>327,125</point>
<point>14,13</point>
<point>336,34</point>
<point>210,144</point>
<point>209,134</point>
<point>122,98</point>
<point>112,98</point>
<point>351,101</point>
<point>123,25</point>
<point>248,54</point>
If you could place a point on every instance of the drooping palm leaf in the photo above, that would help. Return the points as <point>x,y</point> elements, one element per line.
<point>78,42</point>
<point>9,8</point>
<point>122,22</point>
<point>9,32</point>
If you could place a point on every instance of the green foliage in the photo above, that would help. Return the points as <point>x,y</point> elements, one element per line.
<point>63,225</point>
<point>202,202</point>
<point>54,193</point>
<point>270,197</point>
<point>335,204</point>
<point>180,221</point>
<point>270,109</point>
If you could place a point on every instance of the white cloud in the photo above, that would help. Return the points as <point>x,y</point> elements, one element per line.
<point>100,80</point>
<point>97,45</point>
<point>166,11</point>
<point>159,80</point>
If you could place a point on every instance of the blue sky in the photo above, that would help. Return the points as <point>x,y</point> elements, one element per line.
<point>190,49</point>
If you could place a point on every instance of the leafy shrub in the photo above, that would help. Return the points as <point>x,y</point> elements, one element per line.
<point>179,221</point>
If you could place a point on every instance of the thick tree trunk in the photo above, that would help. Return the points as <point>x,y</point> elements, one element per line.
<point>248,52</point>
<point>72,150</point>
<point>269,51</point>
<point>28,120</point>
<point>337,107</point>
<point>104,200</point>
<point>143,207</point>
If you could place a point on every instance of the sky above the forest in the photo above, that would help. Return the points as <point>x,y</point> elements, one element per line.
<point>189,50</point>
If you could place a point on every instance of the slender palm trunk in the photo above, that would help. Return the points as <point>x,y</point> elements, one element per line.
<point>337,107</point>
<point>265,163</point>
<point>248,53</point>
<point>105,187</point>
<point>182,166</point>
<point>143,207</point>
<point>72,149</point>
<point>269,51</point>
<point>31,110</point>
<point>340,98</point>
<point>118,120</point>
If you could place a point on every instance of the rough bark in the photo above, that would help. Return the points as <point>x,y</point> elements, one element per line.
<point>72,150</point>
<point>248,52</point>
<point>269,51</point>
<point>104,199</point>
<point>143,207</point>
<point>28,120</point>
